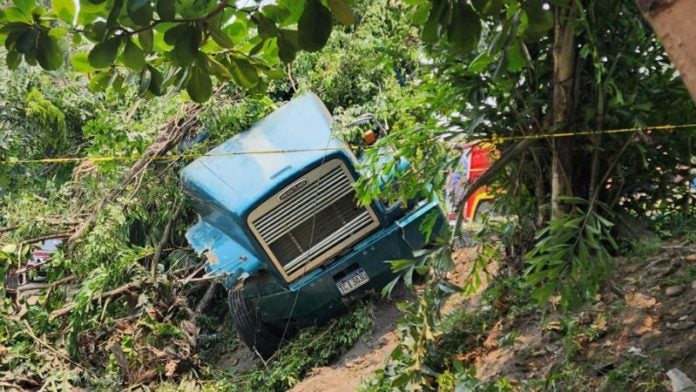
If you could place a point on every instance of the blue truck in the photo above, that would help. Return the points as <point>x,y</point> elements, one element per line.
<point>279,222</point>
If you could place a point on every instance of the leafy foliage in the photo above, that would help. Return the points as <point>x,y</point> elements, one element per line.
<point>571,255</point>
<point>165,43</point>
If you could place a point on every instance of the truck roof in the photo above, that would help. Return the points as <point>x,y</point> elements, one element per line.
<point>242,170</point>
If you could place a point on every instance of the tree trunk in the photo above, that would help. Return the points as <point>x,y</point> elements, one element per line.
<point>563,83</point>
<point>673,22</point>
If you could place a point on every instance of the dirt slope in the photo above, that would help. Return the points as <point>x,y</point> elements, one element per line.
<point>370,353</point>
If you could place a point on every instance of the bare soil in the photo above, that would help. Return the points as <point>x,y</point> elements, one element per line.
<point>371,352</point>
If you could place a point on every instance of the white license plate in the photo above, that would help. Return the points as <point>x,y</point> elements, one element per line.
<point>352,281</point>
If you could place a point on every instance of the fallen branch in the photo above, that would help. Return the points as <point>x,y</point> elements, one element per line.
<point>64,234</point>
<point>40,286</point>
<point>109,294</point>
<point>30,332</point>
<point>163,241</point>
<point>168,136</point>
<point>8,229</point>
<point>207,297</point>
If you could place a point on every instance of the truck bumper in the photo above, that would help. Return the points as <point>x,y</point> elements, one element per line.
<point>315,298</point>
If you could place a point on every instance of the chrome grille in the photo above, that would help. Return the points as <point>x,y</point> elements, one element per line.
<point>315,222</point>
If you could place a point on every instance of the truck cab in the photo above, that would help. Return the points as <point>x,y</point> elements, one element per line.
<point>279,222</point>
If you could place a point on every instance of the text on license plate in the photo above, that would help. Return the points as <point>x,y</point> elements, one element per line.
<point>352,281</point>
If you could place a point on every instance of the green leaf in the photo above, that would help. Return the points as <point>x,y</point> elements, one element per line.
<point>186,46</point>
<point>342,12</point>
<point>48,53</point>
<point>146,39</point>
<point>276,13</point>
<point>95,31</point>
<point>166,9</point>
<point>133,56</point>
<point>140,11</point>
<point>287,45</point>
<point>13,59</point>
<point>65,10</point>
<point>199,86</point>
<point>244,73</point>
<point>514,56</point>
<point>100,80</point>
<point>265,26</point>
<point>145,79</point>
<point>540,21</point>
<point>420,15</point>
<point>314,26</point>
<point>218,69</point>
<point>464,30</point>
<point>16,14</point>
<point>156,81</point>
<point>220,37</point>
<point>8,248</point>
<point>26,41</point>
<point>480,62</point>
<point>104,53</point>
<point>431,29</point>
<point>80,62</point>
<point>488,7</point>
<point>25,5</point>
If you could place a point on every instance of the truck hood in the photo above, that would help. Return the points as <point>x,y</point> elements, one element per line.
<point>243,170</point>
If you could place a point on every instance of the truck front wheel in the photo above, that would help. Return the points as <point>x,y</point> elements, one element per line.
<point>256,334</point>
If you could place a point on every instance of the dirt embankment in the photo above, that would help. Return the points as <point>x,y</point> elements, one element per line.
<point>371,352</point>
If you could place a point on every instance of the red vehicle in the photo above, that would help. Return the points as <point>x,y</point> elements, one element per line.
<point>477,157</point>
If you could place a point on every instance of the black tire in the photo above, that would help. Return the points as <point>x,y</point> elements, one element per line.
<point>256,334</point>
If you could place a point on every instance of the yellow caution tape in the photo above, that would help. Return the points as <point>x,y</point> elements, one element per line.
<point>495,139</point>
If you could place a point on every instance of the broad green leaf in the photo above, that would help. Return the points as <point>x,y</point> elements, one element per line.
<point>156,81</point>
<point>431,29</point>
<point>342,12</point>
<point>244,73</point>
<point>65,10</point>
<point>166,9</point>
<point>488,7</point>
<point>58,33</point>
<point>25,5</point>
<point>80,62</point>
<point>237,31</point>
<point>15,14</point>
<point>265,26</point>
<point>171,36</point>
<point>220,37</point>
<point>276,13</point>
<point>140,11</point>
<point>480,62</point>
<point>514,56</point>
<point>95,31</point>
<point>540,21</point>
<point>145,79</point>
<point>13,59</point>
<point>287,45</point>
<point>104,53</point>
<point>295,8</point>
<point>100,80</point>
<point>186,46</point>
<point>199,86</point>
<point>420,15</point>
<point>146,39</point>
<point>218,69</point>
<point>133,56</point>
<point>26,41</point>
<point>464,30</point>
<point>314,26</point>
<point>8,248</point>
